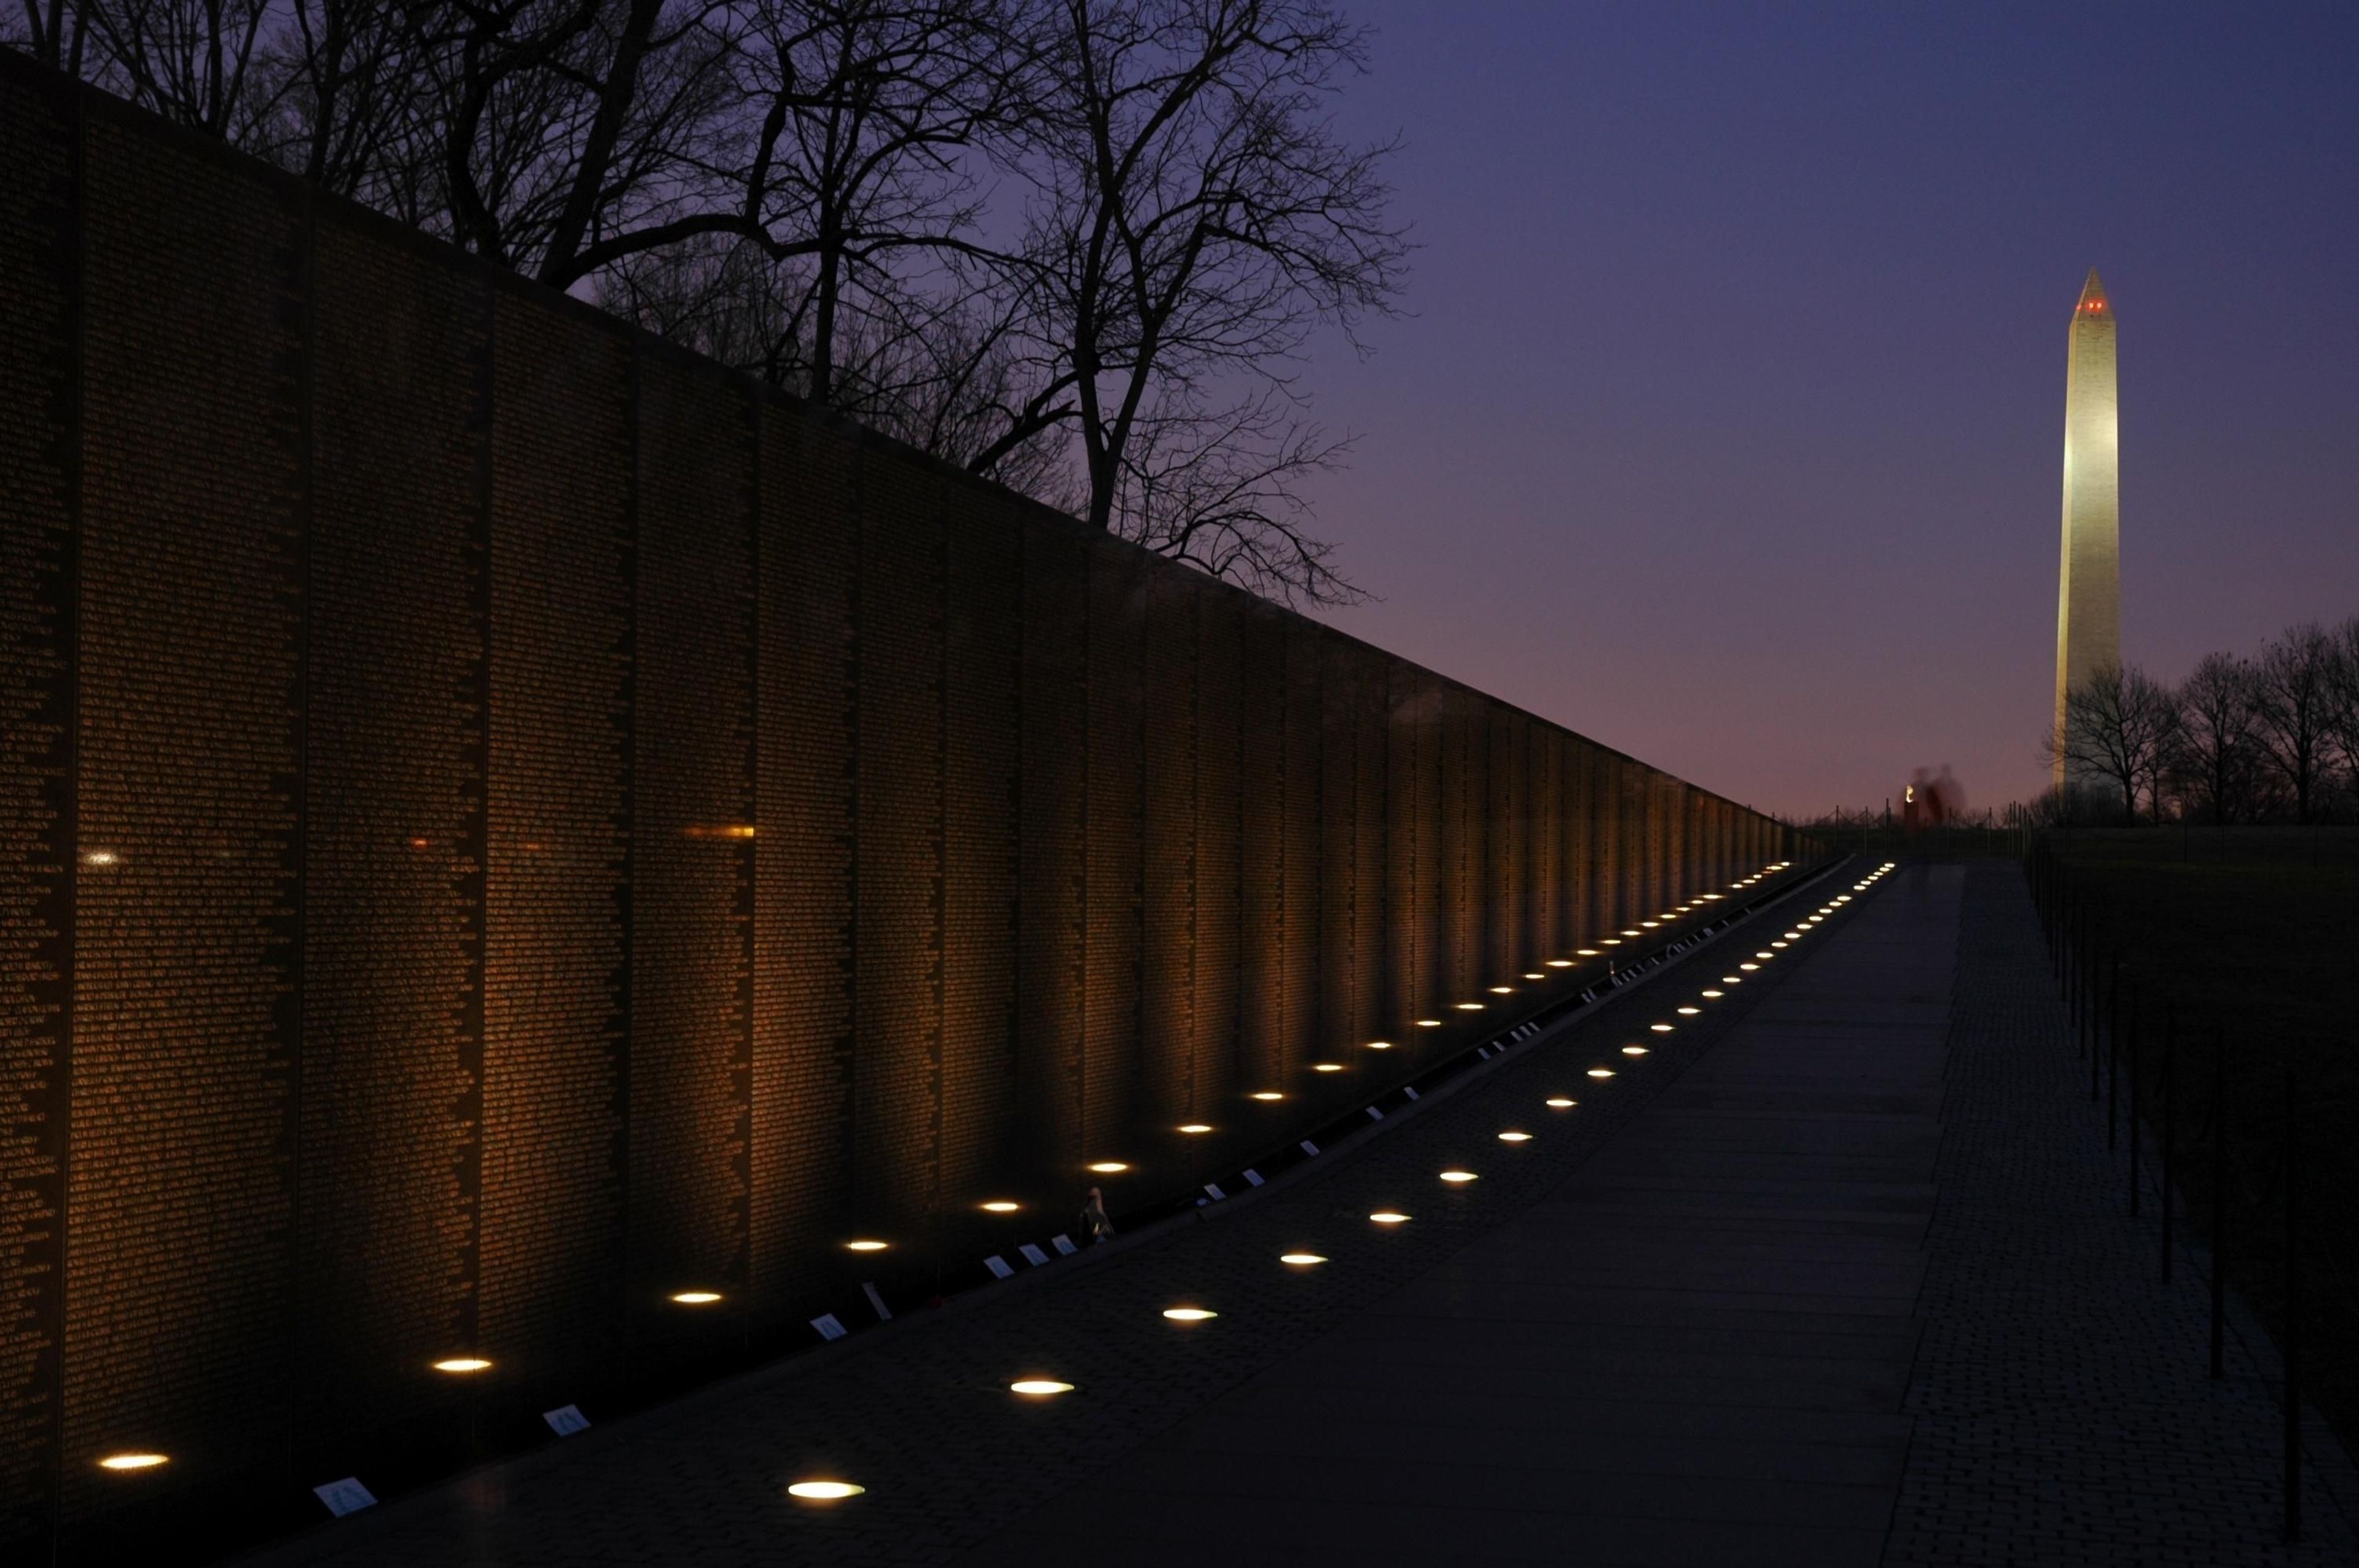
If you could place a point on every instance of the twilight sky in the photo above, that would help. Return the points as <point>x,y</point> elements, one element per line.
<point>1727,427</point>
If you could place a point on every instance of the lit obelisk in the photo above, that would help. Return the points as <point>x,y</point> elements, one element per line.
<point>2089,586</point>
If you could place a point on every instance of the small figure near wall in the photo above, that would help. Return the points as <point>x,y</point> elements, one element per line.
<point>1093,1223</point>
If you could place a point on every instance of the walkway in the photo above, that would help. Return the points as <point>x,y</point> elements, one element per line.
<point>1834,1276</point>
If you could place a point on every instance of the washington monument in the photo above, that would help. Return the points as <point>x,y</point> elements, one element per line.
<point>2089,584</point>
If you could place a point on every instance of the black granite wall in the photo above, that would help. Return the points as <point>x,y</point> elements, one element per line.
<point>504,823</point>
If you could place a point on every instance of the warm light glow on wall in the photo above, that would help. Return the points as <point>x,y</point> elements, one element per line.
<point>1585,952</point>
<point>1470,1007</point>
<point>1601,1072</point>
<point>1660,1028</point>
<point>1326,1066</point>
<point>459,1366</point>
<point>1301,1260</point>
<point>1429,1023</point>
<point>863,1245</point>
<point>1457,1178</point>
<point>1558,1102</point>
<point>1039,1388</point>
<point>1380,1044</point>
<point>695,1298</point>
<point>1515,1138</point>
<point>1109,1167</point>
<point>1195,1127</point>
<point>1389,1216</point>
<point>1189,1315</point>
<point>141,1461</point>
<point>1001,1206</point>
<point>1633,1050</point>
<point>1265,1095</point>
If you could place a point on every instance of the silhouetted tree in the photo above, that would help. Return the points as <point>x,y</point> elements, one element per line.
<point>2118,729</point>
<point>2293,688</point>
<point>2216,746</point>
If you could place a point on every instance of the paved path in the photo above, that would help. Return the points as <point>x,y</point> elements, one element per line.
<point>1824,1279</point>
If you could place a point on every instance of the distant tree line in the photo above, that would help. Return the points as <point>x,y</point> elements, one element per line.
<point>2273,738</point>
<point>1078,246</point>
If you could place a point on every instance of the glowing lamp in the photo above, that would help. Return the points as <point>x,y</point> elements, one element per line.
<point>1389,1216</point>
<point>1039,1388</point>
<point>460,1366</point>
<point>865,1245</point>
<point>1558,1102</point>
<point>1109,1167</point>
<point>1195,1126</point>
<point>1001,1206</point>
<point>824,1491</point>
<point>141,1461</point>
<point>1189,1315</point>
<point>1458,1178</point>
<point>695,1298</point>
<point>1515,1138</point>
<point>1301,1260</point>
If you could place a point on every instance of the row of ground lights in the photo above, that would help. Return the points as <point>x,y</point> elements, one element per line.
<point>1188,1314</point>
<point>822,1490</point>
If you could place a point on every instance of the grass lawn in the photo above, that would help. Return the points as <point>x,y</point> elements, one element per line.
<point>2248,938</point>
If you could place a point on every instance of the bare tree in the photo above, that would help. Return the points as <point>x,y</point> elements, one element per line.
<point>2293,691</point>
<point>2216,748</point>
<point>1194,217</point>
<point>2118,727</point>
<point>189,60</point>
<point>2342,698</point>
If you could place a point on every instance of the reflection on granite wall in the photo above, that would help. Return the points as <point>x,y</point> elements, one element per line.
<point>507,823</point>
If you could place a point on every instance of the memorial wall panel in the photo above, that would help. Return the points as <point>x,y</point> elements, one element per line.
<point>983,663</point>
<point>187,915</point>
<point>803,850</point>
<point>394,858</point>
<point>1303,1028</point>
<point>556,966</point>
<point>693,838</point>
<point>897,1074</point>
<point>1166,1042</point>
<point>1335,967</point>
<point>1113,1110</point>
<point>1223,1075</point>
<point>1054,860</point>
<point>39,294</point>
<point>1371,888</point>
<point>1261,782</point>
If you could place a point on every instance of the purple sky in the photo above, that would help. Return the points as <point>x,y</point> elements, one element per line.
<point>1728,426</point>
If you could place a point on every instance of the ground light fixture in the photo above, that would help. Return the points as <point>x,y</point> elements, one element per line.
<point>694,1298</point>
<point>1748,969</point>
<point>1301,1260</point>
<point>138,1460</point>
<point>1195,1126</point>
<point>1380,1044</point>
<point>1470,1007</point>
<point>1515,1138</point>
<point>1776,944</point>
<point>1326,1066</point>
<point>1714,996</point>
<point>1633,1050</point>
<point>1558,1102</point>
<point>1690,1012</point>
<point>1429,1023</point>
<point>1649,925</point>
<point>1190,1314</point>
<point>1764,956</point>
<point>1458,1178</point>
<point>1503,991</point>
<point>1567,963</point>
<point>1601,1072</point>
<point>462,1366</point>
<point>1389,1216</point>
<point>1109,1167</point>
<point>1002,1205</point>
<point>1039,1388</point>
<point>870,1244</point>
<point>1265,1095</point>
<point>1585,952</point>
<point>824,1491</point>
<point>1660,1028</point>
<point>1629,934</point>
